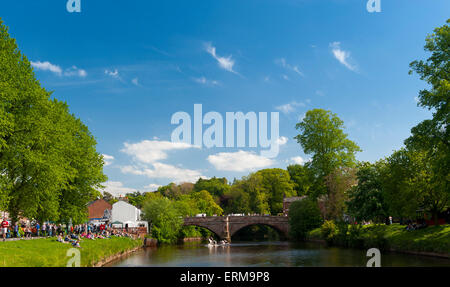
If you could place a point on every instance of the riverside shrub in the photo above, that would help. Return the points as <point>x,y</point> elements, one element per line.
<point>304,216</point>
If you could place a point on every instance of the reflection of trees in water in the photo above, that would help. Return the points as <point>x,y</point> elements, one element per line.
<point>257,233</point>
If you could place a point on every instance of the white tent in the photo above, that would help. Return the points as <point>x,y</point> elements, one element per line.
<point>128,214</point>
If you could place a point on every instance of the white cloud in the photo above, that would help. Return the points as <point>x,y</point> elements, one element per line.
<point>74,71</point>
<point>239,161</point>
<point>113,74</point>
<point>116,188</point>
<point>290,107</point>
<point>297,160</point>
<point>282,62</point>
<point>342,56</point>
<point>47,66</point>
<point>152,187</point>
<point>225,63</point>
<point>135,81</point>
<point>205,81</point>
<point>151,151</point>
<point>108,159</point>
<point>282,141</point>
<point>162,170</point>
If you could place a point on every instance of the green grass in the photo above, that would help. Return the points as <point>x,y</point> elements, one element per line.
<point>50,253</point>
<point>431,239</point>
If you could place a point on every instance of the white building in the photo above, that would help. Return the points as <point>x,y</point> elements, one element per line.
<point>127,215</point>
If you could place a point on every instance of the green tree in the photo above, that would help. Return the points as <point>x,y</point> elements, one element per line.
<point>338,183</point>
<point>165,219</point>
<point>276,184</point>
<point>205,203</point>
<point>302,178</point>
<point>238,200</point>
<point>322,136</point>
<point>366,199</point>
<point>433,136</point>
<point>400,190</point>
<point>304,216</point>
<point>49,167</point>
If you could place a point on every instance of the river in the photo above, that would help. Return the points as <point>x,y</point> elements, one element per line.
<point>266,254</point>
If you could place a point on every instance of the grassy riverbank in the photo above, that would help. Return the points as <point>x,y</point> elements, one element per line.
<point>50,253</point>
<point>433,239</point>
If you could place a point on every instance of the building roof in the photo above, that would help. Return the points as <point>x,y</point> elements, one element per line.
<point>294,198</point>
<point>97,208</point>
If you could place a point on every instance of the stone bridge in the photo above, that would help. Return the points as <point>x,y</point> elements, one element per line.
<point>226,226</point>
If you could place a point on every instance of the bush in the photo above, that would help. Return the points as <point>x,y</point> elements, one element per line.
<point>329,231</point>
<point>304,216</point>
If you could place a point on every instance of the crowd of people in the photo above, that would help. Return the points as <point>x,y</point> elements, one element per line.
<point>63,233</point>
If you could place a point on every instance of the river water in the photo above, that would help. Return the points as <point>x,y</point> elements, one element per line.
<point>267,254</point>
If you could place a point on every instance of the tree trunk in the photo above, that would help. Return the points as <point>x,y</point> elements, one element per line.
<point>435,218</point>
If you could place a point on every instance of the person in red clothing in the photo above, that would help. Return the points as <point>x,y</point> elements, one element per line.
<point>4,226</point>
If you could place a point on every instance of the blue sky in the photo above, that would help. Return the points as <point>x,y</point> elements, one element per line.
<point>125,67</point>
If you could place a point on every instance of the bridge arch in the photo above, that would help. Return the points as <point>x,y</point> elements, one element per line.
<point>207,227</point>
<point>281,231</point>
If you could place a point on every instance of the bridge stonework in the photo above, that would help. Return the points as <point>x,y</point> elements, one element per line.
<point>226,226</point>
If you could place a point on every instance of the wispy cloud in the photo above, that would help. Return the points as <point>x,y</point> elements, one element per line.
<point>113,74</point>
<point>297,160</point>
<point>226,63</point>
<point>117,188</point>
<point>165,171</point>
<point>135,81</point>
<point>150,151</point>
<point>47,66</point>
<point>239,161</point>
<point>342,56</point>
<point>207,82</point>
<point>293,68</point>
<point>108,159</point>
<point>74,71</point>
<point>290,107</point>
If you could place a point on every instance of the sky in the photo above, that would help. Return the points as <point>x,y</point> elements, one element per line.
<point>125,67</point>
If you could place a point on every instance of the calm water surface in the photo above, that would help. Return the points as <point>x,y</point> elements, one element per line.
<point>266,254</point>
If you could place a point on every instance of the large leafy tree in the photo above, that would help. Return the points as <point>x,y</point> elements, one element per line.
<point>302,177</point>
<point>433,135</point>
<point>322,136</point>
<point>276,184</point>
<point>49,167</point>
<point>366,199</point>
<point>165,219</point>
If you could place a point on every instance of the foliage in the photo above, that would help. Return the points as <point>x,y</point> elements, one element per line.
<point>217,187</point>
<point>304,215</point>
<point>366,199</point>
<point>338,183</point>
<point>302,177</point>
<point>433,136</point>
<point>329,231</point>
<point>164,218</point>
<point>49,166</point>
<point>322,135</point>
<point>205,203</point>
<point>136,198</point>
<point>431,239</point>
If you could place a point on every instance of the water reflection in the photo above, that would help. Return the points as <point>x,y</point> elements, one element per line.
<point>266,254</point>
